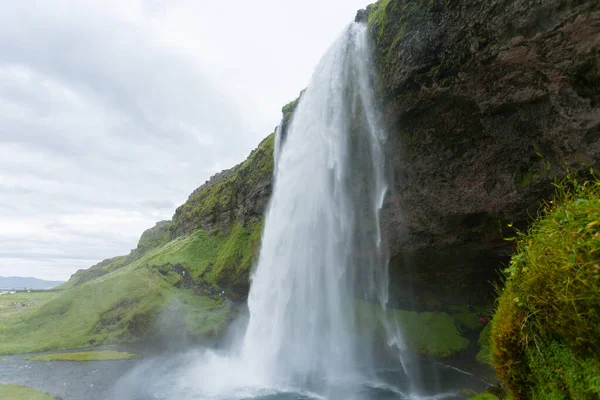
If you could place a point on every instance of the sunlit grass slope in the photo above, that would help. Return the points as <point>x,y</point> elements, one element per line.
<point>137,301</point>
<point>167,286</point>
<point>546,331</point>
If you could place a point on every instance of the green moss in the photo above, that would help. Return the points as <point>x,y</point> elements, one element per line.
<point>484,341</point>
<point>205,205</point>
<point>432,333</point>
<point>15,392</point>
<point>378,17</point>
<point>561,374</point>
<point>289,108</point>
<point>546,331</point>
<point>525,179</point>
<point>101,355</point>
<point>467,321</point>
<point>234,263</point>
<point>484,396</point>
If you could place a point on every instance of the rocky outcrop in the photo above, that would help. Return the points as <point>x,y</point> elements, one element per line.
<point>154,237</point>
<point>239,195</point>
<point>486,103</point>
<point>235,196</point>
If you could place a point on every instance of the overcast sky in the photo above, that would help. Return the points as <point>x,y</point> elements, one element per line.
<point>113,111</point>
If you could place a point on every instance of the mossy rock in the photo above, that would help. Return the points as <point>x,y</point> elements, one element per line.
<point>484,341</point>
<point>467,321</point>
<point>431,333</point>
<point>484,396</point>
<point>546,331</point>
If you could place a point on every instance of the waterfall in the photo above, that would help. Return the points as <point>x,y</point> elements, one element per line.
<point>321,240</point>
<point>322,256</point>
<point>317,304</point>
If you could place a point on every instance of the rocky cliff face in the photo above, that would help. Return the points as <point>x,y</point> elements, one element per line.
<point>238,195</point>
<point>486,103</point>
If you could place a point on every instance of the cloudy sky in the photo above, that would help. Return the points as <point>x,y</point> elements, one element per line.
<point>113,111</point>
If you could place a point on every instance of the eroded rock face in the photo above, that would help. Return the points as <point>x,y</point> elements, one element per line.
<point>235,196</point>
<point>487,102</point>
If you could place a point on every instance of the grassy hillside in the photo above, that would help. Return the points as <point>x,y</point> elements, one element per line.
<point>546,331</point>
<point>168,286</point>
<point>171,287</point>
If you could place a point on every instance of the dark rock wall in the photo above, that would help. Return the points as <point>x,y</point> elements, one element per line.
<point>487,102</point>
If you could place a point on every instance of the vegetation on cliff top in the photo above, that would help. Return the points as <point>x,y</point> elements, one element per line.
<point>546,331</point>
<point>205,206</point>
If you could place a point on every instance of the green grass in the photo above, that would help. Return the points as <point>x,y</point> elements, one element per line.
<point>15,392</point>
<point>121,307</point>
<point>100,355</point>
<point>22,301</point>
<point>197,253</point>
<point>232,267</point>
<point>546,331</point>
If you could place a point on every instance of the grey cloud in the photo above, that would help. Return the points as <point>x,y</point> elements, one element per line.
<point>157,204</point>
<point>106,125</point>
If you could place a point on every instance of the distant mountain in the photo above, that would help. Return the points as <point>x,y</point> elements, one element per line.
<point>29,283</point>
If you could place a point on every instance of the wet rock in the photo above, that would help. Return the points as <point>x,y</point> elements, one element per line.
<point>487,102</point>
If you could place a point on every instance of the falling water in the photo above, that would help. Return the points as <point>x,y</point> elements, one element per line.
<point>322,240</point>
<point>318,297</point>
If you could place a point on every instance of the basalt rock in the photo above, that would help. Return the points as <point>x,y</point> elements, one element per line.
<point>486,103</point>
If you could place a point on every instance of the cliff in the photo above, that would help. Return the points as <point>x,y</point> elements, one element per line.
<point>486,103</point>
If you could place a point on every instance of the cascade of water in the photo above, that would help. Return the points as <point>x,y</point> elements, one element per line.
<point>322,237</point>
<point>319,293</point>
<point>322,263</point>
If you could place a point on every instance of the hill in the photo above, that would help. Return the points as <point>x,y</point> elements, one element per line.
<point>18,282</point>
<point>168,289</point>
